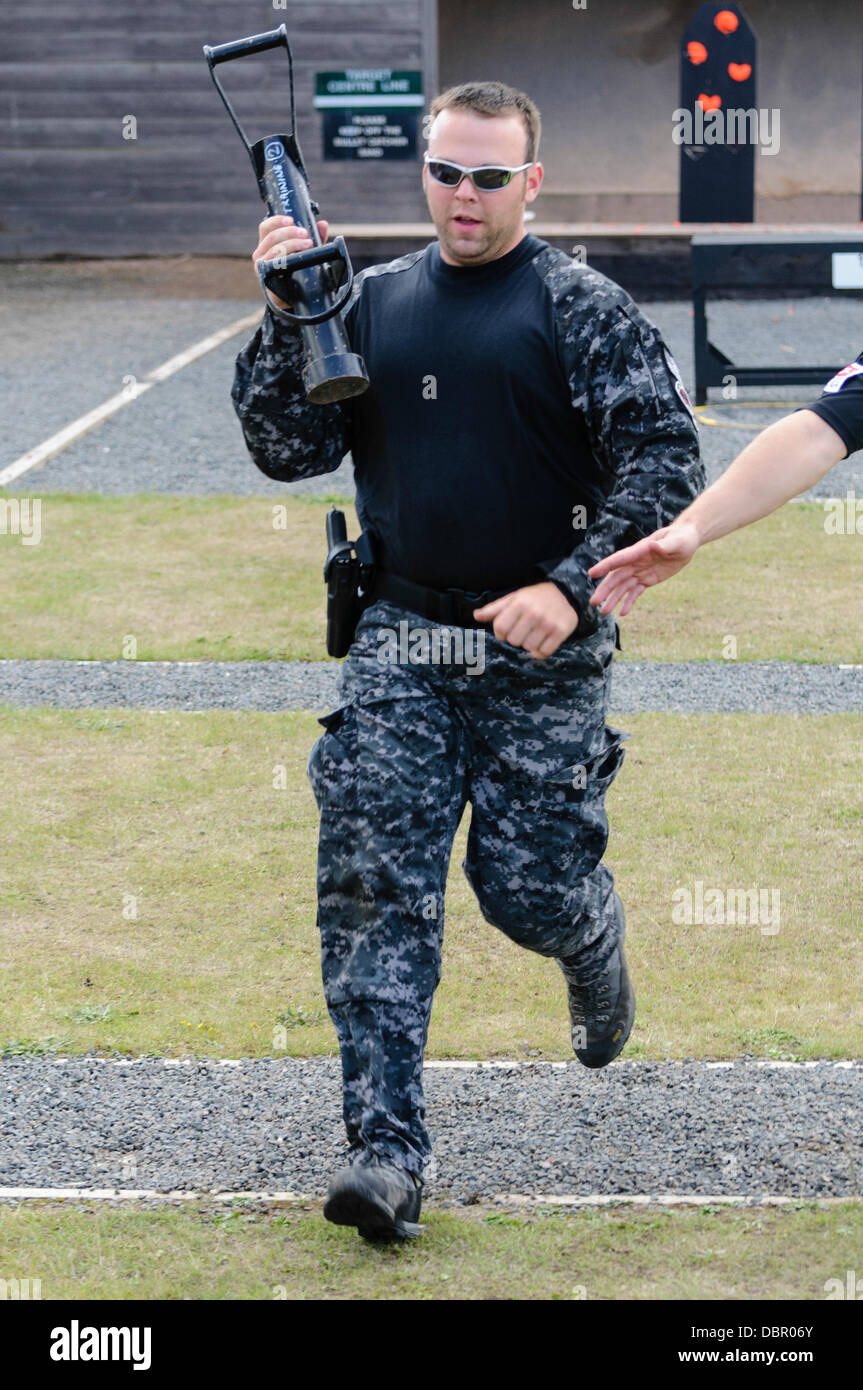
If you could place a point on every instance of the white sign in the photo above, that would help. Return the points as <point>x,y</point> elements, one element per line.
<point>848,270</point>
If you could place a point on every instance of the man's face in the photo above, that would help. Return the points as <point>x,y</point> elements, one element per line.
<point>475,226</point>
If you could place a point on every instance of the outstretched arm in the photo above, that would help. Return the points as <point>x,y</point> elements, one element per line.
<point>785,459</point>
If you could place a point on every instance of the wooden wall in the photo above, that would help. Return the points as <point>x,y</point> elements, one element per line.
<point>606,79</point>
<point>70,73</point>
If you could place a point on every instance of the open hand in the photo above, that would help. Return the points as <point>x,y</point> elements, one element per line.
<point>629,572</point>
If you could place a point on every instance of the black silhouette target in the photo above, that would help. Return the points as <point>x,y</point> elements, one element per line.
<point>717,74</point>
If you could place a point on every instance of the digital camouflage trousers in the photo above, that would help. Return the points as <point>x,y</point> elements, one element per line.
<point>415,737</point>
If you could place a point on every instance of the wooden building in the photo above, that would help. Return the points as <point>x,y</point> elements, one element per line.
<point>114,141</point>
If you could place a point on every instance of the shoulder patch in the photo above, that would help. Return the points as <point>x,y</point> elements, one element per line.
<point>678,384</point>
<point>838,381</point>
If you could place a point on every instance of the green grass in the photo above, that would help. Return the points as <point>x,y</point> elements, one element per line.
<point>781,590</point>
<point>34,1047</point>
<point>154,577</point>
<point>249,1252</point>
<point>157,893</point>
<point>167,578</point>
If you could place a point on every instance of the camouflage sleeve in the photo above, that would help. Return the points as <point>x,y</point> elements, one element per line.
<point>287,436</point>
<point>643,434</point>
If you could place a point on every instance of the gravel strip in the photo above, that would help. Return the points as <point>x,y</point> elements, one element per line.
<point>723,687</point>
<point>638,687</point>
<point>164,685</point>
<point>86,331</point>
<point>275,1125</point>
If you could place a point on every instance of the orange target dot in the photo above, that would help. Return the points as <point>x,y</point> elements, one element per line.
<point>709,103</point>
<point>726,21</point>
<point>739,72</point>
<point>697,52</point>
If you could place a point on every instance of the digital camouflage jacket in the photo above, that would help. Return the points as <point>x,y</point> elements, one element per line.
<point>537,353</point>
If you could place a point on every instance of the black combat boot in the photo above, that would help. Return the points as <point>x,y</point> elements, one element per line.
<point>601,1000</point>
<point>381,1199</point>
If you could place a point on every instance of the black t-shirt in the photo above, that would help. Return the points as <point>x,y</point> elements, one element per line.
<point>523,419</point>
<point>466,433</point>
<point>841,405</point>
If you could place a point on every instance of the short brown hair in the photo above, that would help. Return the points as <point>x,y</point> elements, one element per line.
<point>493,99</point>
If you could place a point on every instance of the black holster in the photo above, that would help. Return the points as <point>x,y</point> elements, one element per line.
<point>348,571</point>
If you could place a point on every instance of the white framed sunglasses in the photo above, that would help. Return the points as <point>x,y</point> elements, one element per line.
<point>484,177</point>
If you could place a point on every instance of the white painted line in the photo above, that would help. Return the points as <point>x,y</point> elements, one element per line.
<point>126,1194</point>
<point>779,1065</point>
<point>487,1066</point>
<point>63,438</point>
<point>475,1065</point>
<point>555,1199</point>
<point>666,1199</point>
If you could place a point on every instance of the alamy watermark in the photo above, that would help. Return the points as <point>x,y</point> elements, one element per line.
<point>17,1289</point>
<point>843,516</point>
<point>736,126</point>
<point>851,1287</point>
<point>433,646</point>
<point>700,906</point>
<point>77,1343</point>
<point>21,516</point>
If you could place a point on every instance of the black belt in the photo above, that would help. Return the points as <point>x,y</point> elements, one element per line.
<point>453,606</point>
